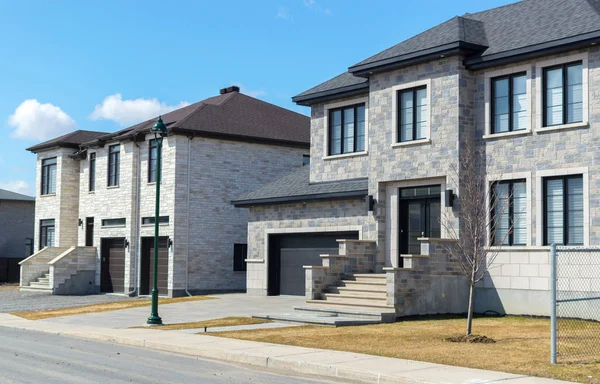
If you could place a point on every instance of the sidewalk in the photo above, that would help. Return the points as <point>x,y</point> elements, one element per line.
<point>334,364</point>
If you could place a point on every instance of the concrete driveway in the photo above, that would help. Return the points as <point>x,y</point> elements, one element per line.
<point>236,304</point>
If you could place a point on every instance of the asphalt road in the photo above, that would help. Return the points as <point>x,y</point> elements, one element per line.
<point>32,357</point>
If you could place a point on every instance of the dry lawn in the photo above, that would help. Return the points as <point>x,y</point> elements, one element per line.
<point>522,347</point>
<point>103,307</point>
<point>9,286</point>
<point>223,322</point>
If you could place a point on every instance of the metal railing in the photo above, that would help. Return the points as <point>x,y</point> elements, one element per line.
<point>575,304</point>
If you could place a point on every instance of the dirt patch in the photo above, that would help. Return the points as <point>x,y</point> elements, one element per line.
<point>214,323</point>
<point>9,286</point>
<point>471,339</point>
<point>104,307</point>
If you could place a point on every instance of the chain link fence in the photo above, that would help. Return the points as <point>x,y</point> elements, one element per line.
<point>575,314</point>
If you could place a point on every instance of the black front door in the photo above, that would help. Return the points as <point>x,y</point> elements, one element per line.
<point>89,231</point>
<point>419,216</point>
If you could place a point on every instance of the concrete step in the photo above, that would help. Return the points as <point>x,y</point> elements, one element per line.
<point>386,315</point>
<point>44,280</point>
<point>366,278</point>
<point>353,298</point>
<point>376,294</point>
<point>36,284</point>
<point>378,304</point>
<point>34,289</point>
<point>316,319</point>
<point>366,285</point>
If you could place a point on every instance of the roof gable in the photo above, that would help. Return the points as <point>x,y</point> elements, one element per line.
<point>13,196</point>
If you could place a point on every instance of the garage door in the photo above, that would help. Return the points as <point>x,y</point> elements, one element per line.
<point>148,265</point>
<point>288,254</point>
<point>112,266</point>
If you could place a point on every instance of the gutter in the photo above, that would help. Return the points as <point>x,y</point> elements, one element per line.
<point>301,198</point>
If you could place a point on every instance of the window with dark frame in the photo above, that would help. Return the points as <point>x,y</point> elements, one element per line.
<point>509,103</point>
<point>412,114</point>
<point>509,213</point>
<point>152,156</point>
<point>347,129</point>
<point>150,220</point>
<point>563,210</point>
<point>563,94</point>
<point>114,222</point>
<point>114,160</point>
<point>305,160</point>
<point>48,186</point>
<point>47,233</point>
<point>92,181</point>
<point>240,254</point>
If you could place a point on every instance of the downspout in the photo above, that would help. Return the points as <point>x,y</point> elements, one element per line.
<point>187,221</point>
<point>136,224</point>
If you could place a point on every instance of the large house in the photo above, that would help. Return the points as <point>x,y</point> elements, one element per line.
<point>16,232</point>
<point>362,226</point>
<point>94,217</point>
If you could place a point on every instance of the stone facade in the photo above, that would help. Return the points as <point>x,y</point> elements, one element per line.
<point>17,225</point>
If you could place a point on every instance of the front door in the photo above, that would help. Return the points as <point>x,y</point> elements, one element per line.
<point>419,216</point>
<point>89,231</point>
<point>112,266</point>
<point>147,271</point>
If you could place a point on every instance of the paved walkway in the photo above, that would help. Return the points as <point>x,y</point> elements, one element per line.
<point>282,358</point>
<point>13,300</point>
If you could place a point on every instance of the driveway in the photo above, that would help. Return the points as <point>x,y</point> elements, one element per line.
<point>13,300</point>
<point>235,304</point>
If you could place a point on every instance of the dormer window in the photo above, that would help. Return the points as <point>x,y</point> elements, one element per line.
<point>347,129</point>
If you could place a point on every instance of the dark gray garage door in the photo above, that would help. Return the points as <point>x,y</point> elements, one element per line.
<point>288,254</point>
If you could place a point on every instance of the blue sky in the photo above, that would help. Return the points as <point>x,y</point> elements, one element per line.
<point>105,65</point>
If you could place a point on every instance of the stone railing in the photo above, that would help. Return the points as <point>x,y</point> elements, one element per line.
<point>429,283</point>
<point>73,272</point>
<point>355,256</point>
<point>36,265</point>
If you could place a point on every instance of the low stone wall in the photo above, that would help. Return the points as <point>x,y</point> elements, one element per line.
<point>430,283</point>
<point>355,256</point>
<point>36,265</point>
<point>73,272</point>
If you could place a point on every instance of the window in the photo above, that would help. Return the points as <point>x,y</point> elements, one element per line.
<point>509,103</point>
<point>114,159</point>
<point>150,220</point>
<point>240,254</point>
<point>305,160</point>
<point>563,210</point>
<point>49,176</point>
<point>113,222</point>
<point>563,94</point>
<point>152,156</point>
<point>46,233</point>
<point>92,172</point>
<point>509,213</point>
<point>412,109</point>
<point>347,130</point>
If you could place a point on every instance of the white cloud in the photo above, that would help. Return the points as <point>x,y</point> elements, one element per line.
<point>283,13</point>
<point>19,186</point>
<point>130,112</point>
<point>36,121</point>
<point>257,93</point>
<point>312,4</point>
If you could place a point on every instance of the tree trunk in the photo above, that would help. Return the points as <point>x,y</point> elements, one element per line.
<point>470,310</point>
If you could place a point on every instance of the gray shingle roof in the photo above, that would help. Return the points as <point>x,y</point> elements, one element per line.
<point>13,196</point>
<point>70,140</point>
<point>528,26</point>
<point>296,186</point>
<point>344,80</point>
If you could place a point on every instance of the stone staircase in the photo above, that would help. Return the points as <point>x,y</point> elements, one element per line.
<point>40,285</point>
<point>366,290</point>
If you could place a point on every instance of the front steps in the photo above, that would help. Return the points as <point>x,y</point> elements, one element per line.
<point>41,285</point>
<point>357,299</point>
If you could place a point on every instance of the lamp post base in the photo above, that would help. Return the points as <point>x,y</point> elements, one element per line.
<point>154,320</point>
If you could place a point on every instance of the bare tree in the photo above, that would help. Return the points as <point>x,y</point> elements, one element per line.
<point>479,235</point>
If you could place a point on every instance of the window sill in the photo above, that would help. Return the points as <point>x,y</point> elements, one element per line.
<point>507,134</point>
<point>344,155</point>
<point>113,187</point>
<point>112,226</point>
<point>516,248</point>
<point>413,142</point>
<point>152,225</point>
<point>92,192</point>
<point>564,126</point>
<point>48,195</point>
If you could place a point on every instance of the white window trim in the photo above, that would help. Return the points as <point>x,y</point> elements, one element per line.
<point>340,104</point>
<point>539,200</point>
<point>539,69</point>
<point>489,75</point>
<point>507,177</point>
<point>392,245</point>
<point>413,84</point>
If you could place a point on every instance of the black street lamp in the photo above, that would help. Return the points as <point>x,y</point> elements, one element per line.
<point>160,131</point>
